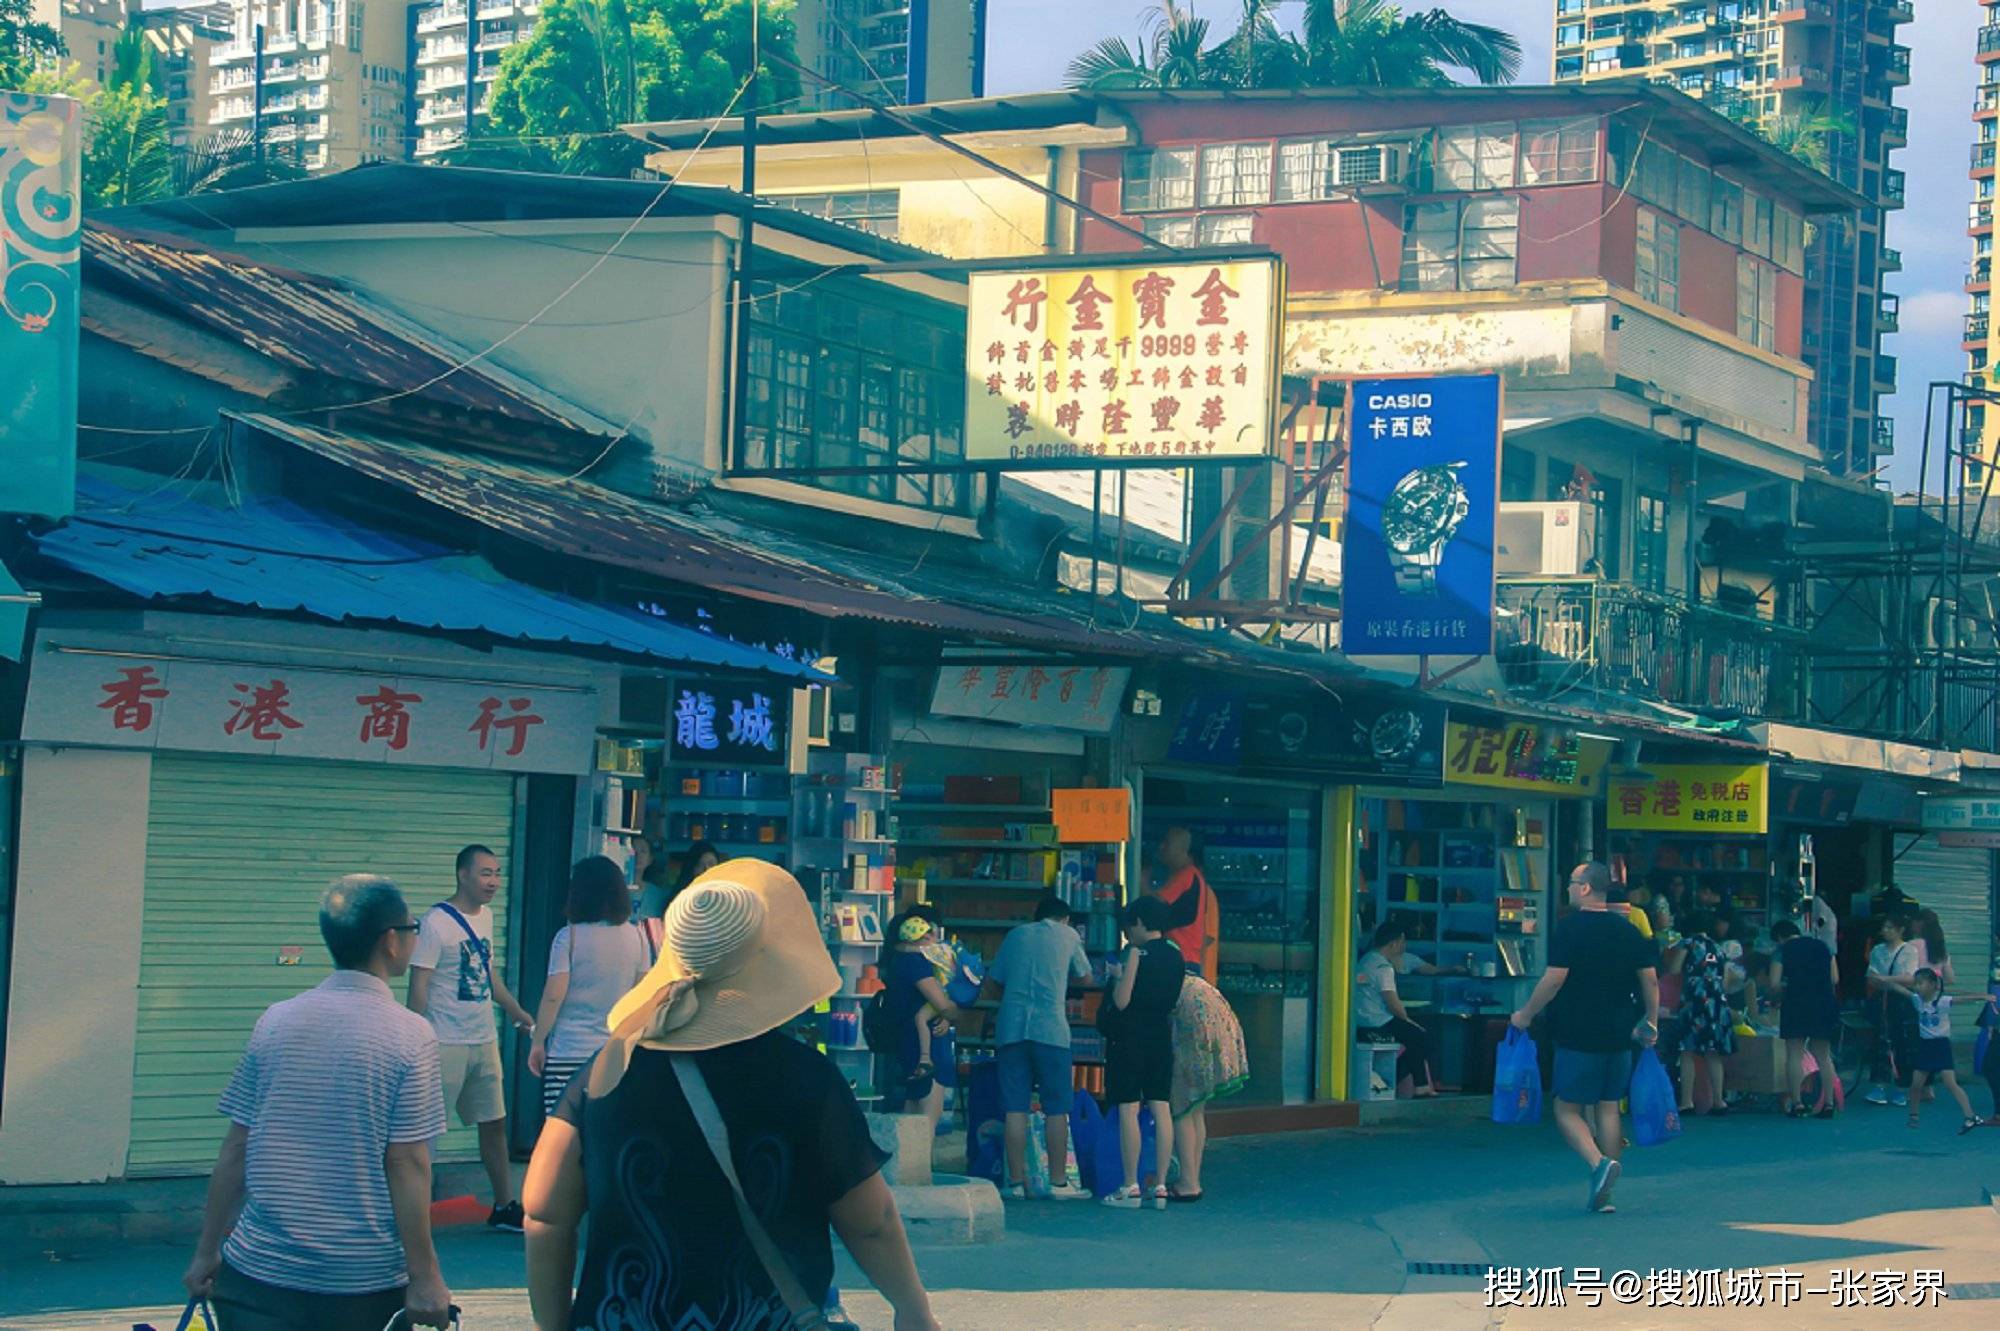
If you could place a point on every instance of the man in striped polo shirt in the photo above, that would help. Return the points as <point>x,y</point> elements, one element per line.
<point>319,1208</point>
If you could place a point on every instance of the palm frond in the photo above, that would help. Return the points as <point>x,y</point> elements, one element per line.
<point>1491,55</point>
<point>1110,66</point>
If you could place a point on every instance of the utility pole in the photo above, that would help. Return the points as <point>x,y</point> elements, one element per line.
<point>257,91</point>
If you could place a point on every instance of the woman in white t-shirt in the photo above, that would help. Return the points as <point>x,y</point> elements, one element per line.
<point>594,960</point>
<point>1896,957</point>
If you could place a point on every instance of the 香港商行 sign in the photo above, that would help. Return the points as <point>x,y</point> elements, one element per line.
<point>1165,362</point>
<point>1691,797</point>
<point>1417,555</point>
<point>133,701</point>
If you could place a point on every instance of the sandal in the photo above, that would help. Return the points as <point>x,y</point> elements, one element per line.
<point>1161,1196</point>
<point>1797,1110</point>
<point>1184,1197</point>
<point>1974,1122</point>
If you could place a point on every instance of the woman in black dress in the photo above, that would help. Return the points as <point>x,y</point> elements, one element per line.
<point>1806,973</point>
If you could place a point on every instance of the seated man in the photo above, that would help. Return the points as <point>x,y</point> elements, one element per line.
<point>1379,1010</point>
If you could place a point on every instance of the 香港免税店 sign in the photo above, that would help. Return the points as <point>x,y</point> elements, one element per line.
<point>1166,362</point>
<point>1691,797</point>
<point>1422,501</point>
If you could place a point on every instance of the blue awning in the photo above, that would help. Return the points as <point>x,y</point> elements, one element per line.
<point>276,555</point>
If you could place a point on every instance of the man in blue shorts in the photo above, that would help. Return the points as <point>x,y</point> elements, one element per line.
<point>1602,974</point>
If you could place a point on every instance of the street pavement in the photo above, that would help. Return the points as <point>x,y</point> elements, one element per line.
<point>1393,1229</point>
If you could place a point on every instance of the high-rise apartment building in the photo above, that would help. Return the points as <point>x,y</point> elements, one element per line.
<point>455,58</point>
<point>89,31</point>
<point>1982,422</point>
<point>1782,64</point>
<point>321,83</point>
<point>184,39</point>
<point>896,51</point>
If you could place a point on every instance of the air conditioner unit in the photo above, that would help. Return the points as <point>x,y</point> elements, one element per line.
<point>1552,540</point>
<point>1367,164</point>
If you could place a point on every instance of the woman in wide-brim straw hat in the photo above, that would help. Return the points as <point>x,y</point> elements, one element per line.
<point>741,956</point>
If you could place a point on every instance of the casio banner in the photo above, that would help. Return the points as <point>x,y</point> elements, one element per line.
<point>1422,499</point>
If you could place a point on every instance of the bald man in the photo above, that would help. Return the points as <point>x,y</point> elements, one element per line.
<point>1194,919</point>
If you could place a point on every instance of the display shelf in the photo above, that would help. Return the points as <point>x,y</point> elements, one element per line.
<point>962,923</point>
<point>906,807</point>
<point>993,884</point>
<point>729,803</point>
<point>1012,847</point>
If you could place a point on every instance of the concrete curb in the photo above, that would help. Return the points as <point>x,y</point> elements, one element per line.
<point>953,1209</point>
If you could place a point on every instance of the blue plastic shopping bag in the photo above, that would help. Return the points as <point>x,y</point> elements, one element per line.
<point>1656,1115</point>
<point>1517,1079</point>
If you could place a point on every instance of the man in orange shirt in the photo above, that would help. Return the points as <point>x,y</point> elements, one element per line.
<point>1194,922</point>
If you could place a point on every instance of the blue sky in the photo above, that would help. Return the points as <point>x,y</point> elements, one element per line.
<point>1030,41</point>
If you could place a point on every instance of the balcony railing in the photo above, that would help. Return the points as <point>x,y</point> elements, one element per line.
<point>1888,313</point>
<point>1892,188</point>
<point>1980,274</point>
<point>1897,124</point>
<point>1982,156</point>
<point>1975,327</point>
<point>1892,260</point>
<point>1981,213</point>
<point>441,16</point>
<point>1989,39</point>
<point>1562,635</point>
<point>1897,67</point>
<point>1885,435</point>
<point>1903,11</point>
<point>1885,371</point>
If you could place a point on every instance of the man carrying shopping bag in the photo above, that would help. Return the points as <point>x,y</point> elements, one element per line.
<point>1602,973</point>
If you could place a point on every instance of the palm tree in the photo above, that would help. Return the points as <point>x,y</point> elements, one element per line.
<point>227,159</point>
<point>1803,134</point>
<point>1367,43</point>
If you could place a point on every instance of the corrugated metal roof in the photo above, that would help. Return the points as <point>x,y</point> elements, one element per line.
<point>313,324</point>
<point>761,564</point>
<point>276,555</point>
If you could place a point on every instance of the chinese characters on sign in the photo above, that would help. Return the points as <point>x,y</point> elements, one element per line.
<point>1033,693</point>
<point>1703,797</point>
<point>722,721</point>
<point>1422,498</point>
<point>1093,815</point>
<point>128,701</point>
<point>1173,361</point>
<point>1523,756</point>
<point>1673,1287</point>
<point>1962,813</point>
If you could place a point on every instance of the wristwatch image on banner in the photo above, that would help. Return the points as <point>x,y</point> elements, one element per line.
<point>1417,567</point>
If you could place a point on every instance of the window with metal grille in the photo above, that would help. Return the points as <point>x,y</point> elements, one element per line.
<point>1473,157</point>
<point>1658,260</point>
<point>835,380</point>
<point>1558,152</point>
<point>871,210</point>
<point>1461,244</point>
<point>1157,178</point>
<point>1233,174</point>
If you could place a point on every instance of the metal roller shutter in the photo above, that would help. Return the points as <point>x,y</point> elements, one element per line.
<point>237,854</point>
<point>1957,883</point>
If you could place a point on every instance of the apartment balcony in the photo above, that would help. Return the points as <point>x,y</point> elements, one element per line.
<point>1557,635</point>
<point>440,110</point>
<point>497,39</point>
<point>230,112</point>
<point>1982,156</point>
<point>1896,127</point>
<point>442,79</point>
<point>488,71</point>
<point>1893,184</point>
<point>1980,219</point>
<point>316,69</point>
<point>280,104</point>
<point>441,16</point>
<point>1885,435</point>
<point>1888,313</point>
<point>315,158</point>
<point>497,8</point>
<point>1979,277</point>
<point>1895,69</point>
<point>281,134</point>
<point>1988,48</point>
<point>316,129</point>
<point>1975,330</point>
<point>435,141</point>
<point>280,45</point>
<point>1885,373</point>
<point>231,52</point>
<point>1807,78</point>
<point>431,52</point>
<point>228,80</point>
<point>1902,11</point>
<point>281,71</point>
<point>1805,12</point>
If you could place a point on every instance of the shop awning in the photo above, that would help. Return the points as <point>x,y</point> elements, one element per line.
<point>276,555</point>
<point>1859,751</point>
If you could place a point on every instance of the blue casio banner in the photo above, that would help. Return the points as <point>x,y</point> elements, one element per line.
<point>1422,499</point>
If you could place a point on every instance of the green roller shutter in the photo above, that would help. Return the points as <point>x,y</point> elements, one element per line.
<point>238,851</point>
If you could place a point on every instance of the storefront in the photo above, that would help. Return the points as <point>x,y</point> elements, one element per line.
<point>1468,870</point>
<point>1697,834</point>
<point>201,799</point>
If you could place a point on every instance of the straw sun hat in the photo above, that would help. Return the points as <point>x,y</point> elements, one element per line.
<point>741,955</point>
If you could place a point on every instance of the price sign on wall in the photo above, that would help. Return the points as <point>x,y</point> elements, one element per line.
<point>1093,815</point>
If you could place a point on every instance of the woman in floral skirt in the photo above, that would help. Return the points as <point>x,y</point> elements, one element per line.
<point>1708,1026</point>
<point>1209,1063</point>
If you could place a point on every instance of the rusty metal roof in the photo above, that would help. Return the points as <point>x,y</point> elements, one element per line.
<point>707,550</point>
<point>312,324</point>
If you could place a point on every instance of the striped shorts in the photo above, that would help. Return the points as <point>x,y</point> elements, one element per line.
<point>556,1073</point>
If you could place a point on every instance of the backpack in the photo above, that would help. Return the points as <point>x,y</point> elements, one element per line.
<point>878,1023</point>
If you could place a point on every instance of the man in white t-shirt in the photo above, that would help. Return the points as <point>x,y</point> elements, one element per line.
<point>1379,1010</point>
<point>455,981</point>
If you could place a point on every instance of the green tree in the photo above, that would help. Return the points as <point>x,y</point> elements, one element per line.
<point>1804,134</point>
<point>1339,43</point>
<point>25,45</point>
<point>594,66</point>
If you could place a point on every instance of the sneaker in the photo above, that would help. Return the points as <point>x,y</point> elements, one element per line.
<point>1877,1096</point>
<point>1125,1199</point>
<point>1601,1179</point>
<point>1068,1192</point>
<point>1900,1099</point>
<point>507,1218</point>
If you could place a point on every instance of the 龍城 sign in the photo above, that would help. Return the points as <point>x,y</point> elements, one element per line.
<point>1170,362</point>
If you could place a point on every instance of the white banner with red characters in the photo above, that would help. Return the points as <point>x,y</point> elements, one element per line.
<point>129,700</point>
<point>1165,363</point>
<point>1052,694</point>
